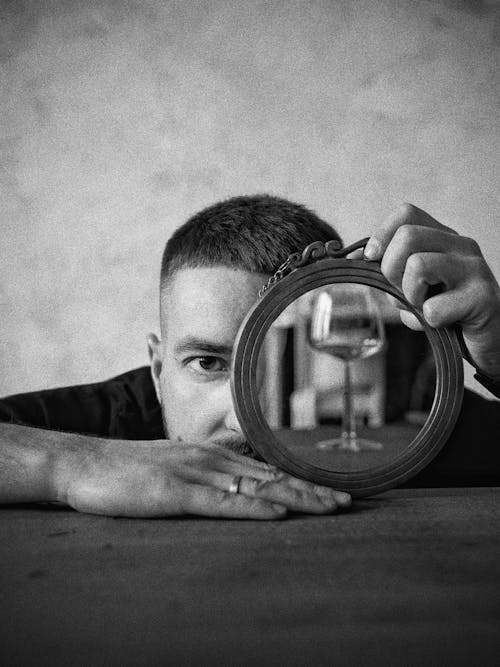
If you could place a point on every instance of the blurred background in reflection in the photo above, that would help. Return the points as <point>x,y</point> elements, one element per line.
<point>302,387</point>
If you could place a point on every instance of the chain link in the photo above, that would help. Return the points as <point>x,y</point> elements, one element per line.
<point>311,253</point>
<point>285,268</point>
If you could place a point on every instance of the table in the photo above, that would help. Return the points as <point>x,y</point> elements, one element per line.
<point>410,577</point>
<point>395,439</point>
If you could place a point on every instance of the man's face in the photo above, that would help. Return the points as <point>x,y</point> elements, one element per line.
<point>202,310</point>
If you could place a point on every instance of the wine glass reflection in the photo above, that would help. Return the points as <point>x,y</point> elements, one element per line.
<point>346,323</point>
<point>301,388</point>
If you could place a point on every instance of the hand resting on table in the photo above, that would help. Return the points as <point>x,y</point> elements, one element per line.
<point>149,478</point>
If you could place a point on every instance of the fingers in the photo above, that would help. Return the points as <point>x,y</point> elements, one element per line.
<point>296,495</point>
<point>424,258</point>
<point>215,468</point>
<point>231,455</point>
<point>241,459</point>
<point>445,275</point>
<point>449,307</point>
<point>206,501</point>
<point>244,468</point>
<point>424,270</point>
<point>272,486</point>
<point>406,215</point>
<point>260,499</point>
<point>212,455</point>
<point>356,254</point>
<point>410,320</point>
<point>340,497</point>
<point>408,241</point>
<point>461,295</point>
<point>407,318</point>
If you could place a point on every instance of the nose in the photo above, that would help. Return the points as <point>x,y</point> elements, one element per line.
<point>230,419</point>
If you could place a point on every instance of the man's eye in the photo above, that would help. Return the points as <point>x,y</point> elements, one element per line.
<point>207,364</point>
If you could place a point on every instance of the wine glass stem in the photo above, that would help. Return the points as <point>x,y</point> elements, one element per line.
<point>348,418</point>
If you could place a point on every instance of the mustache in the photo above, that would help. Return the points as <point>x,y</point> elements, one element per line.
<point>237,444</point>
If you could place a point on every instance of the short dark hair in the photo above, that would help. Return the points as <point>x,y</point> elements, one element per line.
<point>255,233</point>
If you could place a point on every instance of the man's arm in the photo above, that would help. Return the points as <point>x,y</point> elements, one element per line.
<point>130,469</point>
<point>148,478</point>
<point>26,468</point>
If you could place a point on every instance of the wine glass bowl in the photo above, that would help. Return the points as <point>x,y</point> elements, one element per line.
<point>346,323</point>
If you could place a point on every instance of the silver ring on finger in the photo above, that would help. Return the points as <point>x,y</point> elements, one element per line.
<point>234,487</point>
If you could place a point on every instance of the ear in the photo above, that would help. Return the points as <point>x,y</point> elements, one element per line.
<point>155,361</point>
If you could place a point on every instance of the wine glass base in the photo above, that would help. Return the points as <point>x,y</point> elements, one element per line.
<point>349,445</point>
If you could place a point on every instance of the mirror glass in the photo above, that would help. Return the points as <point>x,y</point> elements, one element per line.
<point>343,384</point>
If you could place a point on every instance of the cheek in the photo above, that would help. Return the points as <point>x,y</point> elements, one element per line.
<point>177,399</point>
<point>175,389</point>
<point>186,407</point>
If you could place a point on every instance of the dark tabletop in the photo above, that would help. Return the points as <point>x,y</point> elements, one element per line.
<point>407,578</point>
<point>302,443</point>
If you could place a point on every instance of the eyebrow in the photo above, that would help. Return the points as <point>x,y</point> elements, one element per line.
<point>193,344</point>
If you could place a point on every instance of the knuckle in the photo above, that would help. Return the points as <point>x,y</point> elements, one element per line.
<point>408,211</point>
<point>410,320</point>
<point>432,314</point>
<point>472,246</point>
<point>482,291</point>
<point>273,476</point>
<point>277,476</point>
<point>405,235</point>
<point>220,497</point>
<point>391,271</point>
<point>201,457</point>
<point>386,266</point>
<point>252,485</point>
<point>478,274</point>
<point>415,264</point>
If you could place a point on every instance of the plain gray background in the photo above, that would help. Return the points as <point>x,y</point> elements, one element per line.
<point>120,119</point>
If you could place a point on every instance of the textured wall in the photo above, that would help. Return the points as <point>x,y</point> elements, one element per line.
<point>119,119</point>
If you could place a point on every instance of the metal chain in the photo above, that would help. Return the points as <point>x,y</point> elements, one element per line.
<point>285,268</point>
<point>311,253</point>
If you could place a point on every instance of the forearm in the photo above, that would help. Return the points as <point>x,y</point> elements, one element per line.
<point>32,463</point>
<point>151,478</point>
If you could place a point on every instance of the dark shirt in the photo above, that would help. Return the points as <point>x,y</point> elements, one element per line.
<point>123,407</point>
<point>126,407</point>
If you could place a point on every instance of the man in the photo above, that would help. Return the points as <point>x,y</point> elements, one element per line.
<point>212,270</point>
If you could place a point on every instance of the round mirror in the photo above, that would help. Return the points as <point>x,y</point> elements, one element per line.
<point>330,386</point>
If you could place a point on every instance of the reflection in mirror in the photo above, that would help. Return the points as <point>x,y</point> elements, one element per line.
<point>344,385</point>
<point>346,322</point>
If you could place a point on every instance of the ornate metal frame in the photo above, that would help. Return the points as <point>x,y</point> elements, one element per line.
<point>318,265</point>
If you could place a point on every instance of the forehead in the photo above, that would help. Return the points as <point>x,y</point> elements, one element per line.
<point>208,303</point>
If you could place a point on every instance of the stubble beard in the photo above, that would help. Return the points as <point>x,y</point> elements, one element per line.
<point>234,443</point>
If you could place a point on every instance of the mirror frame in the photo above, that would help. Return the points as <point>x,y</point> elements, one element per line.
<point>279,293</point>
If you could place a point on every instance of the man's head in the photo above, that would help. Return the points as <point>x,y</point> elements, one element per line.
<point>212,269</point>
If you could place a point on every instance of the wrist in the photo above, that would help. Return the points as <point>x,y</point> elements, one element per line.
<point>28,461</point>
<point>489,383</point>
<point>483,354</point>
<point>73,454</point>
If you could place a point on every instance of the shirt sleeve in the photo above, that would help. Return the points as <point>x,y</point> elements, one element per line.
<point>471,457</point>
<point>488,383</point>
<point>123,407</point>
